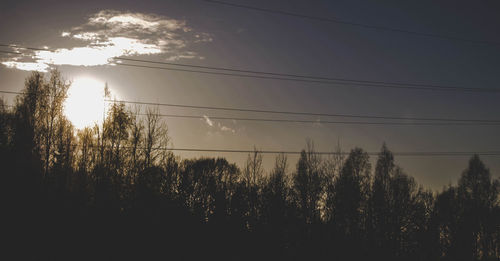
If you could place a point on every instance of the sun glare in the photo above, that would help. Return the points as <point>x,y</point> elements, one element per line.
<point>85,104</point>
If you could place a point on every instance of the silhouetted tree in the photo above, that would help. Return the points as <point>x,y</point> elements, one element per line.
<point>478,195</point>
<point>114,191</point>
<point>252,178</point>
<point>332,166</point>
<point>276,192</point>
<point>155,136</point>
<point>136,142</point>
<point>87,149</point>
<point>307,184</point>
<point>51,97</point>
<point>116,131</point>
<point>350,201</point>
<point>380,199</point>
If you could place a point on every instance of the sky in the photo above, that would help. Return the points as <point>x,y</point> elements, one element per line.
<point>82,37</point>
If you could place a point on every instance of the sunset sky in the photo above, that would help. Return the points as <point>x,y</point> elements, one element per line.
<point>82,37</point>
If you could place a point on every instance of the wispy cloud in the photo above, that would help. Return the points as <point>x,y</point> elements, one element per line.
<point>217,125</point>
<point>108,34</point>
<point>27,66</point>
<point>317,123</point>
<point>225,128</point>
<point>208,121</point>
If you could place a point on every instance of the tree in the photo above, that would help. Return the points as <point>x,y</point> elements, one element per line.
<point>136,143</point>
<point>63,161</point>
<point>447,215</point>
<point>53,95</point>
<point>332,166</point>
<point>253,171</point>
<point>252,178</point>
<point>380,202</point>
<point>351,192</point>
<point>115,184</point>
<point>115,134</point>
<point>86,144</point>
<point>5,119</point>
<point>399,211</point>
<point>155,138</point>
<point>307,184</point>
<point>478,195</point>
<point>401,215</point>
<point>205,184</point>
<point>276,192</point>
<point>37,113</point>
<point>466,215</point>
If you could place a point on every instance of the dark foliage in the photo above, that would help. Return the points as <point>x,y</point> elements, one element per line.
<point>112,193</point>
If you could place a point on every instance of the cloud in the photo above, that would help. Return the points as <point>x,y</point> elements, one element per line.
<point>225,128</point>
<point>26,66</point>
<point>208,121</point>
<point>108,34</point>
<point>317,123</point>
<point>218,126</point>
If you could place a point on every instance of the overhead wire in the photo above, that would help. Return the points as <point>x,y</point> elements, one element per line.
<point>319,79</point>
<point>244,73</point>
<point>446,121</point>
<point>319,121</point>
<point>303,113</point>
<point>349,23</point>
<point>401,153</point>
<point>336,83</point>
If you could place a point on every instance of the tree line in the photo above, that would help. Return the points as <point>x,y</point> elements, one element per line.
<point>112,192</point>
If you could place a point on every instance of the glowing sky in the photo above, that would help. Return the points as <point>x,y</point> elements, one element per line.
<point>82,37</point>
<point>86,105</point>
<point>108,34</point>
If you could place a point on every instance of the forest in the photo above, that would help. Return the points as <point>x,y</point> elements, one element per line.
<point>114,192</point>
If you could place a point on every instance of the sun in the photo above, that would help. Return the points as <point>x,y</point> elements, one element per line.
<point>85,105</point>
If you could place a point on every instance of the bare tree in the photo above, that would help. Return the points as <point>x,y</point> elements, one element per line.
<point>155,139</point>
<point>252,177</point>
<point>253,169</point>
<point>351,192</point>
<point>307,183</point>
<point>87,144</point>
<point>332,166</point>
<point>276,191</point>
<point>136,141</point>
<point>115,134</point>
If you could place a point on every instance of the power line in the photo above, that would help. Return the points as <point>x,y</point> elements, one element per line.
<point>11,92</point>
<point>343,22</point>
<point>332,81</point>
<point>449,120</point>
<point>330,122</point>
<point>340,84</point>
<point>428,153</point>
<point>303,113</point>
<point>317,79</point>
<point>2,51</point>
<point>319,121</point>
<point>405,154</point>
